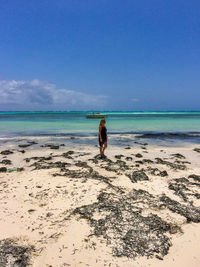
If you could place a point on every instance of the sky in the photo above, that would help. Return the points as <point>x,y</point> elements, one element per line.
<point>99,55</point>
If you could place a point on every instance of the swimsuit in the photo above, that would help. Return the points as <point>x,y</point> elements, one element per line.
<point>103,136</point>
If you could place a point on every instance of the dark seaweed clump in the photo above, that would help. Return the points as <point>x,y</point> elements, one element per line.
<point>139,175</point>
<point>120,221</point>
<point>197,150</point>
<point>178,155</point>
<point>125,229</point>
<point>89,173</point>
<point>170,164</point>
<point>13,255</point>
<point>50,165</point>
<point>185,188</point>
<point>191,213</point>
<point>157,172</point>
<point>6,162</point>
<point>6,152</point>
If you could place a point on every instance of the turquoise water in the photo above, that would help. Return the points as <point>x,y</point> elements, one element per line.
<point>75,123</point>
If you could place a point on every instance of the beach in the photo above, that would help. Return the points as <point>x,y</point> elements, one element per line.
<point>99,133</point>
<point>61,205</point>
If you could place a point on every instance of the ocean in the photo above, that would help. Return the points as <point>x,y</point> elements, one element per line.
<point>75,125</point>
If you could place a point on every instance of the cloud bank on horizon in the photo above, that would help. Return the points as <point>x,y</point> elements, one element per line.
<point>38,94</point>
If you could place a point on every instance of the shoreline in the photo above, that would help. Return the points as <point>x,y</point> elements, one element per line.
<point>115,139</point>
<point>69,208</point>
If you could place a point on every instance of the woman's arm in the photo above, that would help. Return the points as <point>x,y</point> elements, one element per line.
<point>100,133</point>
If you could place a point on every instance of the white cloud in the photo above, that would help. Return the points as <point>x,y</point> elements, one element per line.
<point>43,94</point>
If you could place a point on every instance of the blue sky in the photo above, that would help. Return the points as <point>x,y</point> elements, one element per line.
<point>99,54</point>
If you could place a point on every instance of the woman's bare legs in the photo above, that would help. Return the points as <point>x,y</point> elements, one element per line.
<point>101,150</point>
<point>104,147</point>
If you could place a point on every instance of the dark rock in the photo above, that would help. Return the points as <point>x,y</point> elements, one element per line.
<point>138,176</point>
<point>129,158</point>
<point>6,152</point>
<point>128,147</point>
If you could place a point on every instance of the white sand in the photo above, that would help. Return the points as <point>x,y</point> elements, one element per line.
<point>61,242</point>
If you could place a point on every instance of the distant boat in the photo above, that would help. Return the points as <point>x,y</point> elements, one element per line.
<point>96,116</point>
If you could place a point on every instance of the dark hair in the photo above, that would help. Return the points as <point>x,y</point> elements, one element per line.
<point>102,121</point>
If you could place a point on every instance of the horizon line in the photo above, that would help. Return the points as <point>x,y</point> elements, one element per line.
<point>99,111</point>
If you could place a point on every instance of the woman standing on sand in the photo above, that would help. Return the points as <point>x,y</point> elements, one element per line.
<point>102,137</point>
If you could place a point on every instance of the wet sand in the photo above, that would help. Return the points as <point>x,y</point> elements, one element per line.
<point>64,206</point>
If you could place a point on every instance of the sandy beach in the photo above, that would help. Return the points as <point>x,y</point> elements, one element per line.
<point>62,205</point>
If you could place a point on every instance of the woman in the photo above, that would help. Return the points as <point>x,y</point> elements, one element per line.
<point>102,137</point>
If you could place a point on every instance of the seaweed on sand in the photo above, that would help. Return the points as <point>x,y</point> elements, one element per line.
<point>120,220</point>
<point>12,254</point>
<point>88,174</point>
<point>185,188</point>
<point>191,213</point>
<point>139,175</point>
<point>171,164</point>
<point>195,177</point>
<point>157,172</point>
<point>49,165</point>
<point>121,223</point>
